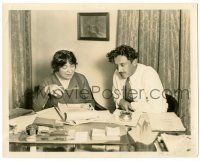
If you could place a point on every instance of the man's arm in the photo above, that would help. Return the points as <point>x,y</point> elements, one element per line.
<point>154,92</point>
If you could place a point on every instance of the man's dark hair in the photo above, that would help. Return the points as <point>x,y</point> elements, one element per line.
<point>123,50</point>
<point>61,57</point>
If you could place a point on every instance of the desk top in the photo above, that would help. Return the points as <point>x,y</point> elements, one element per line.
<point>52,140</point>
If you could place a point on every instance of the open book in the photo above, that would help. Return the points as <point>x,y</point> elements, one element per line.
<point>74,114</point>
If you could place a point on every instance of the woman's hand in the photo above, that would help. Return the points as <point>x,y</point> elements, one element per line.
<point>54,90</point>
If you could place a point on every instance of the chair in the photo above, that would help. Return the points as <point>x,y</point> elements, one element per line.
<point>172,104</point>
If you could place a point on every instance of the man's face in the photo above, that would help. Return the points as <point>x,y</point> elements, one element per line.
<point>67,71</point>
<point>124,66</point>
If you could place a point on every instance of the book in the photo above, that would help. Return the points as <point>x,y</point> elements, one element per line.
<point>76,114</point>
<point>44,122</point>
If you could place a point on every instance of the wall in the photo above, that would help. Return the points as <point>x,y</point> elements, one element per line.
<point>55,30</point>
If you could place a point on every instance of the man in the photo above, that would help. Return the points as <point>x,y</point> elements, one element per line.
<point>136,87</point>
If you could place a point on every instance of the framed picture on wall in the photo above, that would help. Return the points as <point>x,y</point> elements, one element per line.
<point>93,26</point>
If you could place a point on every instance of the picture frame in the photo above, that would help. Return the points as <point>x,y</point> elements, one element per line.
<point>93,26</point>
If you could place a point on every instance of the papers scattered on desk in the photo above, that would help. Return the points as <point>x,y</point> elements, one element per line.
<point>177,143</point>
<point>166,122</point>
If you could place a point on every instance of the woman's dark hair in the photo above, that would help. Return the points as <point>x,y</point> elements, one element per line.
<point>61,57</point>
<point>123,50</point>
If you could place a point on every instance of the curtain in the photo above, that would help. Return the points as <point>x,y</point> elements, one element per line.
<point>162,39</point>
<point>21,60</point>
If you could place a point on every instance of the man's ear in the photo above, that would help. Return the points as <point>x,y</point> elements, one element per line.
<point>134,62</point>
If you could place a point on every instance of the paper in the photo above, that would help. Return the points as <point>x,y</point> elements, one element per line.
<point>112,131</point>
<point>168,121</point>
<point>106,135</point>
<point>71,134</point>
<point>49,113</point>
<point>177,143</point>
<point>21,122</point>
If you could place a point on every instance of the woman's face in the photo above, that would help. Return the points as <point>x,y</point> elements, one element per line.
<point>67,71</point>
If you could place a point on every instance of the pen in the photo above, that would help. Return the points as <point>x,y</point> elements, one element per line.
<point>58,112</point>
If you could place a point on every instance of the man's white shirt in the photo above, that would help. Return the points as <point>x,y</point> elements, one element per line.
<point>146,89</point>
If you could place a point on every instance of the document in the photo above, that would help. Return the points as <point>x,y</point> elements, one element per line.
<point>167,122</point>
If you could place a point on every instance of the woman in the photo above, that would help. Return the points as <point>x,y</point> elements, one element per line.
<point>64,85</point>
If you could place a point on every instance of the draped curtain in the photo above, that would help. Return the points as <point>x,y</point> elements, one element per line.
<point>21,60</point>
<point>162,39</point>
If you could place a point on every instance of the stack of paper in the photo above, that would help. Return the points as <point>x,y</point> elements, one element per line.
<point>109,134</point>
<point>167,122</point>
<point>81,136</point>
<point>113,133</point>
<point>177,143</point>
<point>98,134</point>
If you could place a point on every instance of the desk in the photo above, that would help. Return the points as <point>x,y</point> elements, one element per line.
<point>140,138</point>
<point>124,138</point>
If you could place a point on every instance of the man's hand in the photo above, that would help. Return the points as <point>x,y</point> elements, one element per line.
<point>125,105</point>
<point>54,90</point>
